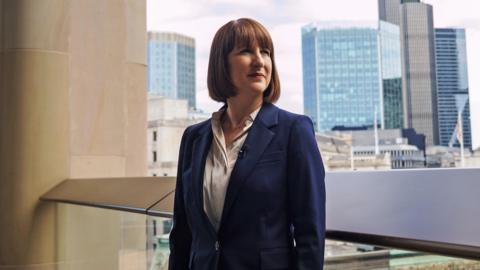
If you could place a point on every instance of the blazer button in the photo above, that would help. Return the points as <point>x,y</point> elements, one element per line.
<point>217,245</point>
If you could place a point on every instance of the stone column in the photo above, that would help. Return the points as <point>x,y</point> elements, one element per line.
<point>72,104</point>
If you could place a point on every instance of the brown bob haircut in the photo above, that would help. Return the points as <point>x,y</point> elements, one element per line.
<point>243,32</point>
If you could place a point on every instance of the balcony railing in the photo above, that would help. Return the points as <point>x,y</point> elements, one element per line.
<point>434,211</point>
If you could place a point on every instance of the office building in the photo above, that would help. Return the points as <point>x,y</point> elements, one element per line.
<point>171,66</point>
<point>418,69</point>
<point>338,155</point>
<point>391,76</point>
<point>167,120</point>
<point>452,83</point>
<point>394,146</point>
<point>389,11</point>
<point>351,71</point>
<point>418,63</point>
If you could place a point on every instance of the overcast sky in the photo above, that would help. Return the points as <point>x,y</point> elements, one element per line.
<point>200,19</point>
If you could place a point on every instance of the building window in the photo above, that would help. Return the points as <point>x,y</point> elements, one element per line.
<point>155,136</point>
<point>154,156</point>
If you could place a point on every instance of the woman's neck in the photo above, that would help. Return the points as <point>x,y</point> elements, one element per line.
<point>239,108</point>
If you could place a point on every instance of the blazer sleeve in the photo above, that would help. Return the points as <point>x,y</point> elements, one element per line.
<point>180,236</point>
<point>306,195</point>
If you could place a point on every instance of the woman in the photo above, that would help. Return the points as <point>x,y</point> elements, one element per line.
<point>250,186</point>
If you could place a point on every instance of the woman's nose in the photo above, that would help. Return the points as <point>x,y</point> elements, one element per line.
<point>258,60</point>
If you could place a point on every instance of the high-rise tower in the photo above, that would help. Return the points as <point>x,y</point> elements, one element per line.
<point>418,63</point>
<point>418,69</point>
<point>171,66</point>
<point>452,81</point>
<point>389,11</point>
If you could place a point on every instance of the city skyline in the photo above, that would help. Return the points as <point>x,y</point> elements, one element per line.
<point>284,19</point>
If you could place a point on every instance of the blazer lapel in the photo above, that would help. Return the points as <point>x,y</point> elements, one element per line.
<point>257,140</point>
<point>201,147</point>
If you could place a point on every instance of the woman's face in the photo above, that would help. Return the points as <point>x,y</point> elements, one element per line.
<point>250,69</point>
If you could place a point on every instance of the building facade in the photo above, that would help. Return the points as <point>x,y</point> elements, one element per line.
<point>167,120</point>
<point>391,68</point>
<point>337,154</point>
<point>393,146</point>
<point>389,11</point>
<point>171,66</point>
<point>452,80</point>
<point>418,69</point>
<point>350,73</point>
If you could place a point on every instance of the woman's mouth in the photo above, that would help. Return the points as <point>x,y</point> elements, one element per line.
<point>256,75</point>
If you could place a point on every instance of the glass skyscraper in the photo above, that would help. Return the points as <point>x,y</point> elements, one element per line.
<point>346,70</point>
<point>452,79</point>
<point>391,67</point>
<point>171,66</point>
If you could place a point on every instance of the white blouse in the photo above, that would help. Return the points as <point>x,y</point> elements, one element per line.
<point>219,165</point>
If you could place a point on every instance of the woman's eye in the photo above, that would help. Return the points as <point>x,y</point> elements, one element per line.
<point>266,52</point>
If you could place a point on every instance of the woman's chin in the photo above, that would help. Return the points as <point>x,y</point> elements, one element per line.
<point>258,88</point>
<point>257,91</point>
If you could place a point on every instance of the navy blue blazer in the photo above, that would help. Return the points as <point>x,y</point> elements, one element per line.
<point>274,211</point>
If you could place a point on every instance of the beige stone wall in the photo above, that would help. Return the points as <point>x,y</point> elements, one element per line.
<point>72,104</point>
<point>33,158</point>
<point>108,114</point>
